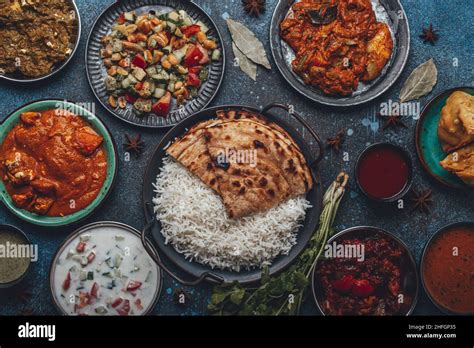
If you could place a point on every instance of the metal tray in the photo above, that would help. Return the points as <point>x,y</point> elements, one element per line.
<point>393,14</point>
<point>96,71</point>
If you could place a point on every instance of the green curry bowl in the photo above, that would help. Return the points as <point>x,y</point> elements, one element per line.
<point>108,144</point>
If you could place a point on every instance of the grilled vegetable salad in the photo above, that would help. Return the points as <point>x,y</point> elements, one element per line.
<point>151,59</point>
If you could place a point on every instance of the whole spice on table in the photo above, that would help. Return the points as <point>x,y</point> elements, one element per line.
<point>429,35</point>
<point>284,293</point>
<point>134,144</point>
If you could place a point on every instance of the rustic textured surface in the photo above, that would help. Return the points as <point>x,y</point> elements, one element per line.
<point>452,18</point>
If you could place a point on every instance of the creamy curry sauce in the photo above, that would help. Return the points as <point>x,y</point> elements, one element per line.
<point>53,163</point>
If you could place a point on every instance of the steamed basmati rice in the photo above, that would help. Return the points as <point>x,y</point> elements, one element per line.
<point>195,223</point>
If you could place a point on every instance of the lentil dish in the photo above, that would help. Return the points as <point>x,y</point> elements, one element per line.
<point>35,35</point>
<point>448,270</point>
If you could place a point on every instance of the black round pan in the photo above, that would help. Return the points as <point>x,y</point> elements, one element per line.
<point>200,272</point>
<point>96,71</point>
<point>398,23</point>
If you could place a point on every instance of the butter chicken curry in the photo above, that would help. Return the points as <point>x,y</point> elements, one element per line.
<point>53,163</point>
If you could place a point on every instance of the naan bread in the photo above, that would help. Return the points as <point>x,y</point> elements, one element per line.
<point>456,125</point>
<point>461,163</point>
<point>273,168</point>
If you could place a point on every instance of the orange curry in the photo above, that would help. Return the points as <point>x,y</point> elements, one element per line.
<point>53,163</point>
<point>337,43</point>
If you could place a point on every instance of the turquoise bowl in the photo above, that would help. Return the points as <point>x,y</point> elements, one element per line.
<point>109,146</point>
<point>428,145</point>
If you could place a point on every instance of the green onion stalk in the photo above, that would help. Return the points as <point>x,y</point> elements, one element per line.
<point>283,293</point>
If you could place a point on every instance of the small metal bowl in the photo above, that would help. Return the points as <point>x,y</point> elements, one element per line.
<point>408,160</point>
<point>84,229</point>
<point>15,77</point>
<point>410,281</point>
<point>442,230</point>
<point>19,232</point>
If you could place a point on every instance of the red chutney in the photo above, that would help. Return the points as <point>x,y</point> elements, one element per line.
<point>383,172</point>
<point>448,278</point>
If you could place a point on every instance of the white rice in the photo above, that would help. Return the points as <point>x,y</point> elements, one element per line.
<point>195,223</point>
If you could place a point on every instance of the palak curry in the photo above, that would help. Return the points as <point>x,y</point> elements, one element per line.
<point>35,35</point>
<point>337,43</point>
<point>53,163</point>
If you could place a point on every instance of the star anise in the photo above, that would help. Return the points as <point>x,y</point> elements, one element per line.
<point>254,7</point>
<point>24,296</point>
<point>392,120</point>
<point>135,144</point>
<point>422,200</point>
<point>429,35</point>
<point>337,141</point>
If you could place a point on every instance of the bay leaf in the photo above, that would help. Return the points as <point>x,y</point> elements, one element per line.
<point>248,43</point>
<point>420,82</point>
<point>245,64</point>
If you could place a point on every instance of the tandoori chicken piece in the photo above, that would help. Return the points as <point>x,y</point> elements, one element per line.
<point>380,49</point>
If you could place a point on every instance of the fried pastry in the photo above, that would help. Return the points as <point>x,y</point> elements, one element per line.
<point>461,163</point>
<point>456,125</point>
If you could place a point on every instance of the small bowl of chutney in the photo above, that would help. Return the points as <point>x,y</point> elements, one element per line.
<point>14,263</point>
<point>384,172</point>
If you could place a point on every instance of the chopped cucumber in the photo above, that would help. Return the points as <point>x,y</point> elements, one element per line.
<point>216,54</point>
<point>204,27</point>
<point>159,93</point>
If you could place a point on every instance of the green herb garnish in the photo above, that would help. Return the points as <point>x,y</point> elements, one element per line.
<point>284,293</point>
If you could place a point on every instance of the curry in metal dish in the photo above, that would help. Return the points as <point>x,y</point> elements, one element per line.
<point>372,286</point>
<point>35,35</point>
<point>337,43</point>
<point>53,163</point>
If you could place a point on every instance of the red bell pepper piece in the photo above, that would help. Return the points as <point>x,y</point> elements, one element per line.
<point>195,69</point>
<point>139,86</point>
<point>193,56</point>
<point>130,98</point>
<point>193,80</point>
<point>139,61</point>
<point>121,19</point>
<point>205,56</point>
<point>190,30</point>
<point>162,106</point>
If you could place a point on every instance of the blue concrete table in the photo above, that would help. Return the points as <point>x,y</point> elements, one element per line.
<point>452,18</point>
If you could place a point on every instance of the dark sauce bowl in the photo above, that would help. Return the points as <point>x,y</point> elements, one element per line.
<point>22,235</point>
<point>406,158</point>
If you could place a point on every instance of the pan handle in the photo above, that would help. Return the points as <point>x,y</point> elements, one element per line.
<point>305,124</point>
<point>154,254</point>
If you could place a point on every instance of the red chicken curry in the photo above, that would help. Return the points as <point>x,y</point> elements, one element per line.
<point>53,163</point>
<point>337,43</point>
